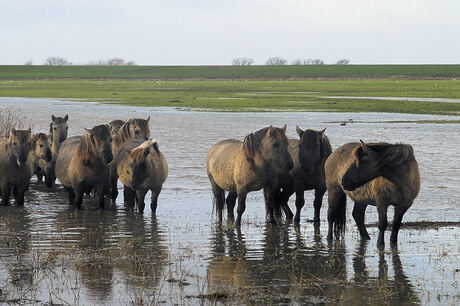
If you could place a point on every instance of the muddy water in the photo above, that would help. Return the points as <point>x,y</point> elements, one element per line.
<point>51,253</point>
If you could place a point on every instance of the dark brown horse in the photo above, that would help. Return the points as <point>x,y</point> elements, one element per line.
<point>57,134</point>
<point>40,155</point>
<point>242,167</point>
<point>379,174</point>
<point>82,164</point>
<point>15,171</point>
<point>309,154</point>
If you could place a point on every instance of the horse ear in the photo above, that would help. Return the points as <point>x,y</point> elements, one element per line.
<point>249,145</point>
<point>146,151</point>
<point>321,133</point>
<point>284,128</point>
<point>363,146</point>
<point>155,147</point>
<point>66,117</point>
<point>13,132</point>
<point>29,130</point>
<point>88,131</point>
<point>299,131</point>
<point>148,119</point>
<point>53,118</point>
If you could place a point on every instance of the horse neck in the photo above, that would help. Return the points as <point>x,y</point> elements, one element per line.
<point>55,144</point>
<point>400,176</point>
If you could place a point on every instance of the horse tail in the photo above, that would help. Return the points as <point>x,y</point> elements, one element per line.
<point>340,215</point>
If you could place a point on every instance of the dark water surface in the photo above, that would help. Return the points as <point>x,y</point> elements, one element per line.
<point>51,253</point>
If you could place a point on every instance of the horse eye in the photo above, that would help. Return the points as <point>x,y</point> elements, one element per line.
<point>137,132</point>
<point>55,128</point>
<point>41,146</point>
<point>15,143</point>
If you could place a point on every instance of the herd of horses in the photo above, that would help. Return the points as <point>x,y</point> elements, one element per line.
<point>379,174</point>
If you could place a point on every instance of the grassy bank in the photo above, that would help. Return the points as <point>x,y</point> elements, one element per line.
<point>256,95</point>
<point>230,72</point>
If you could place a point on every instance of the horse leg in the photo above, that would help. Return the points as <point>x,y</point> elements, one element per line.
<point>129,195</point>
<point>113,188</point>
<point>101,195</point>
<point>336,212</point>
<point>78,193</point>
<point>383,223</point>
<point>359,211</point>
<point>40,176</point>
<point>284,199</point>
<point>6,191</point>
<point>154,201</point>
<point>230,202</point>
<point>71,195</point>
<point>273,209</point>
<point>397,219</point>
<point>241,207</point>
<point>219,196</point>
<point>318,202</point>
<point>19,194</point>
<point>299,203</point>
<point>140,194</point>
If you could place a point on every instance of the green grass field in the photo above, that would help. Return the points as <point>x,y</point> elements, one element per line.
<point>230,72</point>
<point>136,86</point>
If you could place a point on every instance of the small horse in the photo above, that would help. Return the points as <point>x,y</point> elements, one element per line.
<point>57,134</point>
<point>141,167</point>
<point>82,164</point>
<point>40,155</point>
<point>114,126</point>
<point>379,174</point>
<point>309,154</point>
<point>132,129</point>
<point>15,171</point>
<point>241,167</point>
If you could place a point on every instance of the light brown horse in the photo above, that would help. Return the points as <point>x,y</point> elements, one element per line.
<point>40,155</point>
<point>57,134</point>
<point>379,174</point>
<point>242,167</point>
<point>309,154</point>
<point>135,128</point>
<point>82,164</point>
<point>141,167</point>
<point>15,171</point>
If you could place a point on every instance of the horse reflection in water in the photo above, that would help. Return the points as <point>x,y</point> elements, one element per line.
<point>139,255</point>
<point>290,269</point>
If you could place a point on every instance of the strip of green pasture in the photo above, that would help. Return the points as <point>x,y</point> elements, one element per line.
<point>299,95</point>
<point>230,72</point>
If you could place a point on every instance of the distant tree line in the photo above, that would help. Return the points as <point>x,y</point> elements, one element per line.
<point>245,61</point>
<point>61,61</point>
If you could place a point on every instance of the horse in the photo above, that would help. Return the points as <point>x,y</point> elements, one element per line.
<point>242,167</point>
<point>82,164</point>
<point>141,167</point>
<point>57,134</point>
<point>15,172</point>
<point>309,154</point>
<point>135,128</point>
<point>114,126</point>
<point>379,174</point>
<point>39,155</point>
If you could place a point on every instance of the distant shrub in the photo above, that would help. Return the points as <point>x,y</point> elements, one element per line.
<point>11,118</point>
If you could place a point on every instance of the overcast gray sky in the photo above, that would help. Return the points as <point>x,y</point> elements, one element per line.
<point>213,32</point>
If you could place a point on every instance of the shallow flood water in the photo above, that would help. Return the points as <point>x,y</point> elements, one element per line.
<point>52,253</point>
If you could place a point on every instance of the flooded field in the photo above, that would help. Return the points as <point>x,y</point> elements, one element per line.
<point>52,254</point>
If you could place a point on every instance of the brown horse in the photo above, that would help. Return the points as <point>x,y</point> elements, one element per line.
<point>114,126</point>
<point>82,164</point>
<point>57,134</point>
<point>15,171</point>
<point>40,155</point>
<point>141,167</point>
<point>379,174</point>
<point>241,167</point>
<point>309,154</point>
<point>132,129</point>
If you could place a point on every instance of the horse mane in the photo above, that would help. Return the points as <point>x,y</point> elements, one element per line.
<point>325,148</point>
<point>390,154</point>
<point>251,143</point>
<point>139,154</point>
<point>21,135</point>
<point>51,130</point>
<point>124,132</point>
<point>90,141</point>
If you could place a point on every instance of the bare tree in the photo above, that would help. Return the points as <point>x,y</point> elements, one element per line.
<point>297,61</point>
<point>12,118</point>
<point>242,61</point>
<point>57,61</point>
<point>276,61</point>
<point>301,61</point>
<point>342,61</point>
<point>317,62</point>
<point>115,61</point>
<point>28,62</point>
